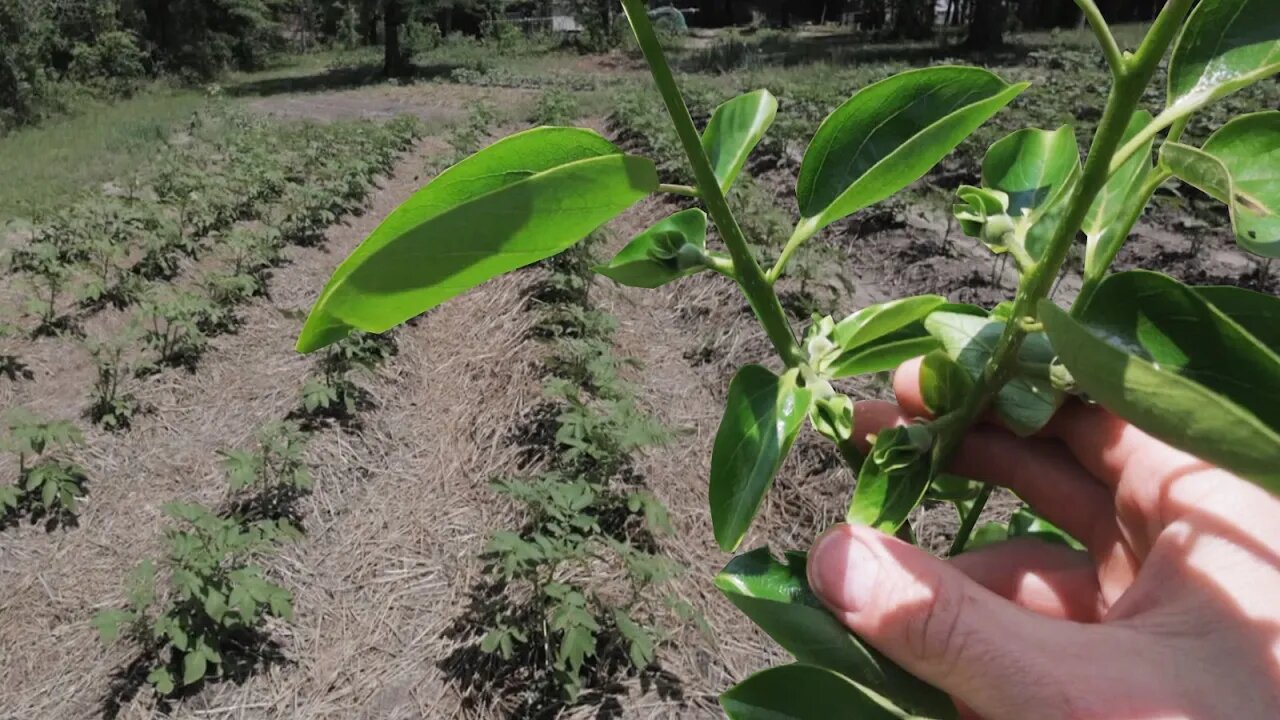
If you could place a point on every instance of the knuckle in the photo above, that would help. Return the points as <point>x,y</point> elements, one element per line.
<point>935,634</point>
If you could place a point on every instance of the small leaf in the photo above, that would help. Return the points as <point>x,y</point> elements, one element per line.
<point>777,598</point>
<point>193,667</point>
<point>802,692</point>
<point>162,680</point>
<point>884,353</point>
<point>1105,225</point>
<point>1026,402</point>
<point>521,200</point>
<point>891,133</point>
<point>1225,45</point>
<point>893,478</point>
<point>735,128</point>
<point>1249,148</point>
<point>1153,352</point>
<point>987,534</point>
<point>658,256</point>
<point>944,385</point>
<point>762,418</point>
<point>640,644</point>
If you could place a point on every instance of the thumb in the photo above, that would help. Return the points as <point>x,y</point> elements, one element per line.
<point>999,659</point>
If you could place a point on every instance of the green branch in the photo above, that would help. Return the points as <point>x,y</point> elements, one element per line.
<point>1102,31</point>
<point>751,278</point>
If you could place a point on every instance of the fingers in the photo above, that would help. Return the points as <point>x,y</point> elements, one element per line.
<point>1001,660</point>
<point>1045,578</point>
<point>872,416</point>
<point>1045,475</point>
<point>906,387</point>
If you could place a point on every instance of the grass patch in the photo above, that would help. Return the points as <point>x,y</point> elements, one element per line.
<point>47,165</point>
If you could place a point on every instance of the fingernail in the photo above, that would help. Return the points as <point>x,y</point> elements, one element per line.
<point>843,569</point>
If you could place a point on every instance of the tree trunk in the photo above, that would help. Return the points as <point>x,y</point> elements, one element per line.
<point>986,32</point>
<point>393,63</point>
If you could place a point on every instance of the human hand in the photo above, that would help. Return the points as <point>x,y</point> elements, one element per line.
<point>1174,611</point>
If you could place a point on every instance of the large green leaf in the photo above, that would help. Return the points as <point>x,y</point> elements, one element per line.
<point>1034,169</point>
<point>777,598</point>
<point>1155,353</point>
<point>1256,313</point>
<point>1106,225</point>
<point>1225,45</point>
<point>671,249</point>
<point>891,133</point>
<point>762,416</point>
<point>523,199</point>
<point>884,353</point>
<point>734,130</point>
<point>1026,402</point>
<point>1249,148</point>
<point>803,692</point>
<point>893,478</point>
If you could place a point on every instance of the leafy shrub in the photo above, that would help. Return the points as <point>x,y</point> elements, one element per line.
<point>112,62</point>
<point>48,484</point>
<point>214,605</point>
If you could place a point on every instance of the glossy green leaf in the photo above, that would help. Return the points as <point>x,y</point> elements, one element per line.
<point>1034,169</point>
<point>987,534</point>
<point>944,385</point>
<point>802,692</point>
<point>876,321</point>
<point>1105,227</point>
<point>1256,313</point>
<point>893,478</point>
<point>1225,45</point>
<point>1152,351</point>
<point>523,199</point>
<point>762,417</point>
<point>777,598</point>
<point>891,133</point>
<point>1249,148</point>
<point>671,249</point>
<point>1031,167</point>
<point>1030,399</point>
<point>953,488</point>
<point>884,353</point>
<point>735,128</point>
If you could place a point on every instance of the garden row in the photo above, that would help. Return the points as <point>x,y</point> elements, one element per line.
<point>552,618</point>
<point>188,244</point>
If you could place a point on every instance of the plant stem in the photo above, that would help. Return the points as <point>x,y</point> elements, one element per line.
<point>1103,32</point>
<point>806,229</point>
<point>751,278</point>
<point>970,521</point>
<point>1125,95</point>
<point>684,190</point>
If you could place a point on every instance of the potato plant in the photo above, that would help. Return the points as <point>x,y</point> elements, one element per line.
<point>48,484</point>
<point>172,330</point>
<point>333,393</point>
<point>214,601</point>
<point>111,404</point>
<point>565,632</point>
<point>263,481</point>
<point>1148,348</point>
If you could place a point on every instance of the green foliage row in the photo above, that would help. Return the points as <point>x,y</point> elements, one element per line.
<point>561,627</point>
